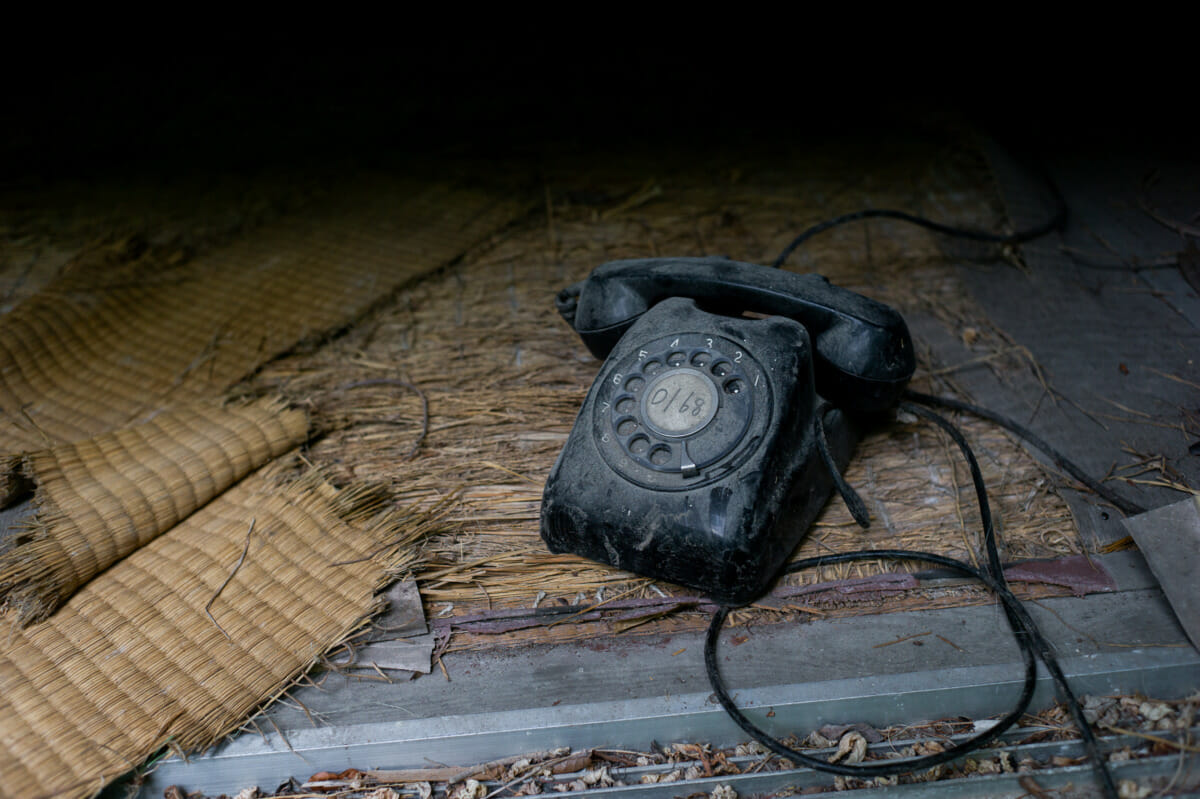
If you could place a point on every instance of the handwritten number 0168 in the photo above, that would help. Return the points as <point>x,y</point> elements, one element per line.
<point>691,403</point>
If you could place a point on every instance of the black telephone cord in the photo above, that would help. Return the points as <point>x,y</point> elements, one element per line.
<point>1055,222</point>
<point>854,503</point>
<point>1060,460</point>
<point>1032,644</point>
<point>891,767</point>
<point>1044,651</point>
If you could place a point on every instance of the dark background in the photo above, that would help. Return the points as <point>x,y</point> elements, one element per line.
<point>94,104</point>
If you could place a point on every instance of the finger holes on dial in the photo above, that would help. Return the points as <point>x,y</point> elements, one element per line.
<point>722,368</point>
<point>701,359</point>
<point>660,455</point>
<point>639,444</point>
<point>627,426</point>
<point>676,359</point>
<point>652,366</point>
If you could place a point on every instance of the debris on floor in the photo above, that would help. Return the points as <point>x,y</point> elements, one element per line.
<point>1134,727</point>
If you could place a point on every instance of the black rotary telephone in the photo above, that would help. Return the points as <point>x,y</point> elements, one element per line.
<point>710,439</point>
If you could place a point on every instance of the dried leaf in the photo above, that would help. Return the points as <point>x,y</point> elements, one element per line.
<point>852,748</point>
<point>1153,711</point>
<point>471,789</point>
<point>599,776</point>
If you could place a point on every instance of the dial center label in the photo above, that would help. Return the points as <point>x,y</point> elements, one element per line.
<point>679,402</point>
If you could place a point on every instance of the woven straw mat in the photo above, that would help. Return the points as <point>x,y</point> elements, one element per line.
<point>134,661</point>
<point>88,369</point>
<point>101,498</point>
<point>85,357</point>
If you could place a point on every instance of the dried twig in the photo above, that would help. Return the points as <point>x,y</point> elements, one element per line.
<point>905,638</point>
<point>1180,745</point>
<point>236,566</point>
<point>453,774</point>
<point>948,641</point>
<point>530,772</point>
<point>510,471</point>
<point>1176,378</point>
<point>37,427</point>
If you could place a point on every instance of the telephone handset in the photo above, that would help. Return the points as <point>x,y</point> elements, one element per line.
<point>864,356</point>
<point>695,457</point>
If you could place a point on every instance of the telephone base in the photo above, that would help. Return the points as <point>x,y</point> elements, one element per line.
<point>698,539</point>
<point>694,458</point>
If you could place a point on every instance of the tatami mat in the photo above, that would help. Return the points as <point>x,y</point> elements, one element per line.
<point>193,593</point>
<point>101,498</point>
<point>93,352</point>
<point>180,641</point>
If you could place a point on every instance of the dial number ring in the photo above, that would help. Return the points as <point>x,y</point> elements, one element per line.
<point>670,413</point>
